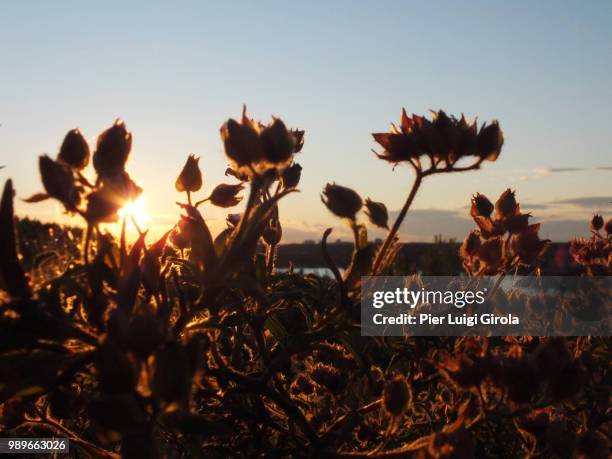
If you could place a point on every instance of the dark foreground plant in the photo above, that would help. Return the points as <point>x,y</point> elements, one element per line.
<point>194,345</point>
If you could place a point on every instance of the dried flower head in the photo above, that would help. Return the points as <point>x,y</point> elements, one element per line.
<point>190,178</point>
<point>102,207</point>
<point>397,396</point>
<point>470,246</point>
<point>59,182</point>
<point>377,213</point>
<point>112,150</point>
<point>445,138</point>
<point>250,144</point>
<point>226,195</point>
<point>74,151</point>
<point>291,176</point>
<point>341,201</point>
<point>506,206</point>
<point>528,246</point>
<point>597,222</point>
<point>481,206</point>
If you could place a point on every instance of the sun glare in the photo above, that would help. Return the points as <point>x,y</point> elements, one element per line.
<point>136,210</point>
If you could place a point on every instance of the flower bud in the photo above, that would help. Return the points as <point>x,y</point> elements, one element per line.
<point>608,227</point>
<point>59,182</point>
<point>241,141</point>
<point>377,213</point>
<point>490,141</point>
<point>528,246</point>
<point>278,143</point>
<point>122,187</point>
<point>481,206</point>
<point>397,396</point>
<point>112,150</point>
<point>291,176</point>
<point>190,178</point>
<point>597,222</point>
<point>491,253</point>
<point>298,140</point>
<point>506,205</point>
<point>74,151</point>
<point>225,195</point>
<point>272,233</point>
<point>470,245</point>
<point>341,201</point>
<point>102,207</point>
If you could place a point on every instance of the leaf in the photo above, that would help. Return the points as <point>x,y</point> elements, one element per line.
<point>277,329</point>
<point>12,276</point>
<point>37,197</point>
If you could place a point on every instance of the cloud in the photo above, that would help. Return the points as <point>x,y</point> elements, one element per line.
<point>588,202</point>
<point>542,172</point>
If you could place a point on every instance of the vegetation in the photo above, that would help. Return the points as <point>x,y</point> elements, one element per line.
<point>195,345</point>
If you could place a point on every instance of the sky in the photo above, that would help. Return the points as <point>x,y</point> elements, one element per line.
<point>338,69</point>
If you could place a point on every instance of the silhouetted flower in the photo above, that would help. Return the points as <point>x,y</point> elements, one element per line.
<point>102,207</point>
<point>251,144</point>
<point>506,205</point>
<point>291,176</point>
<point>528,246</point>
<point>597,222</point>
<point>608,227</point>
<point>112,150</point>
<point>470,246</point>
<point>341,201</point>
<point>491,254</point>
<point>59,182</point>
<point>446,138</point>
<point>225,195</point>
<point>481,206</point>
<point>272,233</point>
<point>190,178</point>
<point>74,151</point>
<point>377,213</point>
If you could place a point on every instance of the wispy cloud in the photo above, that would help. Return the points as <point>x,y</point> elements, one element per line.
<point>588,202</point>
<point>542,172</point>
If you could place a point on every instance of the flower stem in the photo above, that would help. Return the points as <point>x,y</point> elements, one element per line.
<point>380,256</point>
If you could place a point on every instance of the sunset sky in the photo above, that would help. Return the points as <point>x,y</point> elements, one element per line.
<point>339,70</point>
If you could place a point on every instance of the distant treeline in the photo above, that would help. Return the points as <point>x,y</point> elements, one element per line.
<point>440,257</point>
<point>433,258</point>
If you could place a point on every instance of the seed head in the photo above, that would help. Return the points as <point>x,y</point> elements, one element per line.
<point>291,176</point>
<point>597,222</point>
<point>190,178</point>
<point>341,201</point>
<point>74,151</point>
<point>226,195</point>
<point>112,150</point>
<point>377,213</point>
<point>59,182</point>
<point>481,206</point>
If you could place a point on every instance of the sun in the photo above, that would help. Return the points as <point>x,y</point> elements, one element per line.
<point>136,211</point>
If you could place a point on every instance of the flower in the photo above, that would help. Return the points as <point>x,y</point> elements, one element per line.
<point>377,213</point>
<point>291,176</point>
<point>59,182</point>
<point>481,206</point>
<point>278,142</point>
<point>112,150</point>
<point>273,232</point>
<point>506,206</point>
<point>252,145</point>
<point>597,222</point>
<point>608,227</point>
<point>444,138</point>
<point>491,254</point>
<point>74,151</point>
<point>225,195</point>
<point>102,207</point>
<point>471,244</point>
<point>528,246</point>
<point>397,396</point>
<point>190,178</point>
<point>341,201</point>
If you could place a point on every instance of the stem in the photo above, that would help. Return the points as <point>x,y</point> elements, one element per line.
<point>398,221</point>
<point>189,197</point>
